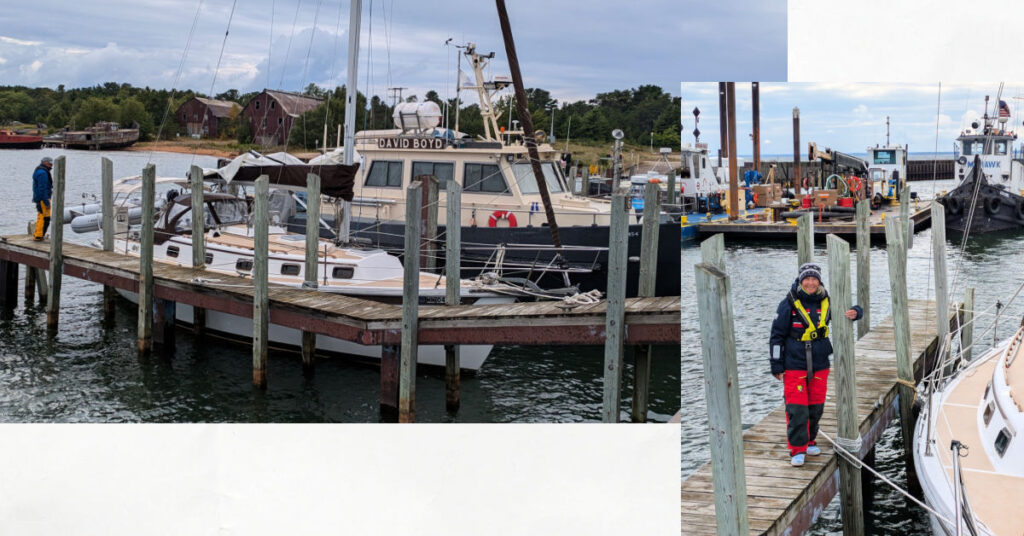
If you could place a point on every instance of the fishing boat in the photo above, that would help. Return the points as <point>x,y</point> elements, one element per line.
<point>13,140</point>
<point>887,171</point>
<point>969,461</point>
<point>368,273</point>
<point>501,203</point>
<point>990,193</point>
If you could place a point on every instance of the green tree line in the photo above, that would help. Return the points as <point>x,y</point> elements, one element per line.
<point>645,114</point>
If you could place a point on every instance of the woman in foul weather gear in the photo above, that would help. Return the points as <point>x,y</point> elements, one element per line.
<point>800,351</point>
<point>42,190</point>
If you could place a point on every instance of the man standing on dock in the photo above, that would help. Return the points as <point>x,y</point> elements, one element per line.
<point>42,190</point>
<point>800,351</point>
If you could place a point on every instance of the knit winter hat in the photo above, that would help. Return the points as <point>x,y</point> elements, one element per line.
<point>809,269</point>
<point>46,160</point>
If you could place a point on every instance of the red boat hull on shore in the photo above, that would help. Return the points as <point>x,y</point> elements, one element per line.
<point>19,141</point>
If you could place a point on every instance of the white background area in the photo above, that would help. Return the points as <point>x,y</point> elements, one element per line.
<point>905,40</point>
<point>211,479</point>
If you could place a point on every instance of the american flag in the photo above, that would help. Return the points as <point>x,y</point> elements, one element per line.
<point>1004,109</point>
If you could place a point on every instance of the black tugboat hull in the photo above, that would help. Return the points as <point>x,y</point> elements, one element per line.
<point>994,209</point>
<point>22,145</point>
<point>594,261</point>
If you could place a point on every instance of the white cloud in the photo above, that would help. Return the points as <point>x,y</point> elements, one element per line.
<point>13,41</point>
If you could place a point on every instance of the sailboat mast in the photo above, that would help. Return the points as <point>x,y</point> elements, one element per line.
<point>523,110</point>
<point>351,94</point>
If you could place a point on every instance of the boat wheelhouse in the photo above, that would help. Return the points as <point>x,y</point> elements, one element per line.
<point>990,193</point>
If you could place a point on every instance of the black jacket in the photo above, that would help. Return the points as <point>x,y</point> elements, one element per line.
<point>786,349</point>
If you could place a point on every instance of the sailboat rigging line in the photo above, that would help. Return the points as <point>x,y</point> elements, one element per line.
<point>270,41</point>
<point>305,72</point>
<point>216,70</point>
<point>177,76</point>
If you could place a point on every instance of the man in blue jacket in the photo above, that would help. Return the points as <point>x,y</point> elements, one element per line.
<point>42,190</point>
<point>800,351</point>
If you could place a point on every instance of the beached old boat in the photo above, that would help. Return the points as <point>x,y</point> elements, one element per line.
<point>12,140</point>
<point>969,460</point>
<point>102,135</point>
<point>990,193</point>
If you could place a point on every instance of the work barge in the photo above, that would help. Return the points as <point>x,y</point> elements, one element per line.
<point>749,485</point>
<point>616,323</point>
<point>758,225</point>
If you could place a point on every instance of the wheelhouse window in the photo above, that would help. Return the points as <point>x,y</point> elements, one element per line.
<point>484,178</point>
<point>387,174</point>
<point>877,175</point>
<point>444,171</point>
<point>1000,147</point>
<point>885,157</point>
<point>1002,442</point>
<point>972,147</point>
<point>528,184</point>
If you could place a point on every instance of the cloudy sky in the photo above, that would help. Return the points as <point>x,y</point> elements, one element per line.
<point>847,117</point>
<point>574,49</point>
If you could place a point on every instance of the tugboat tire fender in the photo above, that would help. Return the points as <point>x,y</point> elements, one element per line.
<point>953,205</point>
<point>992,205</point>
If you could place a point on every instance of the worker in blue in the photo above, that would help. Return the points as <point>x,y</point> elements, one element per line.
<point>800,351</point>
<point>42,190</point>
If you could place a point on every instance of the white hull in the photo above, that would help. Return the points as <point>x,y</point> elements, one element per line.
<point>471,356</point>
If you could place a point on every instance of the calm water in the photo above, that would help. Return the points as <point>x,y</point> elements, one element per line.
<point>92,373</point>
<point>761,273</point>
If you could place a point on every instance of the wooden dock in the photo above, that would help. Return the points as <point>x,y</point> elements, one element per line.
<point>749,228</point>
<point>646,321</point>
<point>782,499</point>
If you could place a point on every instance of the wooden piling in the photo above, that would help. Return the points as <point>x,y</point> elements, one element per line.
<point>145,306</point>
<point>261,298</point>
<point>585,182</point>
<point>648,277</point>
<point>797,173</point>
<point>617,257</point>
<point>8,286</point>
<point>712,251</point>
<point>410,304</point>
<point>195,176</point>
<point>312,267</point>
<point>864,265</point>
<point>390,358</point>
<point>164,312</point>
<point>897,253</point>
<point>846,384</point>
<point>452,256</point>
<point>30,272</point>
<point>804,239</point>
<point>908,229</point>
<point>56,243</point>
<point>428,223</point>
<point>941,290</point>
<point>672,194</point>
<point>967,330</point>
<point>721,390</point>
<point>107,226</point>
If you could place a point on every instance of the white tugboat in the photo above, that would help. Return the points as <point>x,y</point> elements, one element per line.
<point>990,194</point>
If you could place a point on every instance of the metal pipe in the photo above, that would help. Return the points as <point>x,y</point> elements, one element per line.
<point>723,128</point>
<point>755,93</point>
<point>797,174</point>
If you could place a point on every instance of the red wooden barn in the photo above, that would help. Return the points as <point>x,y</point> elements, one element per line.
<point>203,116</point>
<point>271,114</point>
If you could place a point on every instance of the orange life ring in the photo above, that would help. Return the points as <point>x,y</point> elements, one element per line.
<point>854,184</point>
<point>502,215</point>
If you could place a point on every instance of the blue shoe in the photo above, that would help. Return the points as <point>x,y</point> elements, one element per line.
<point>813,450</point>
<point>797,460</point>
